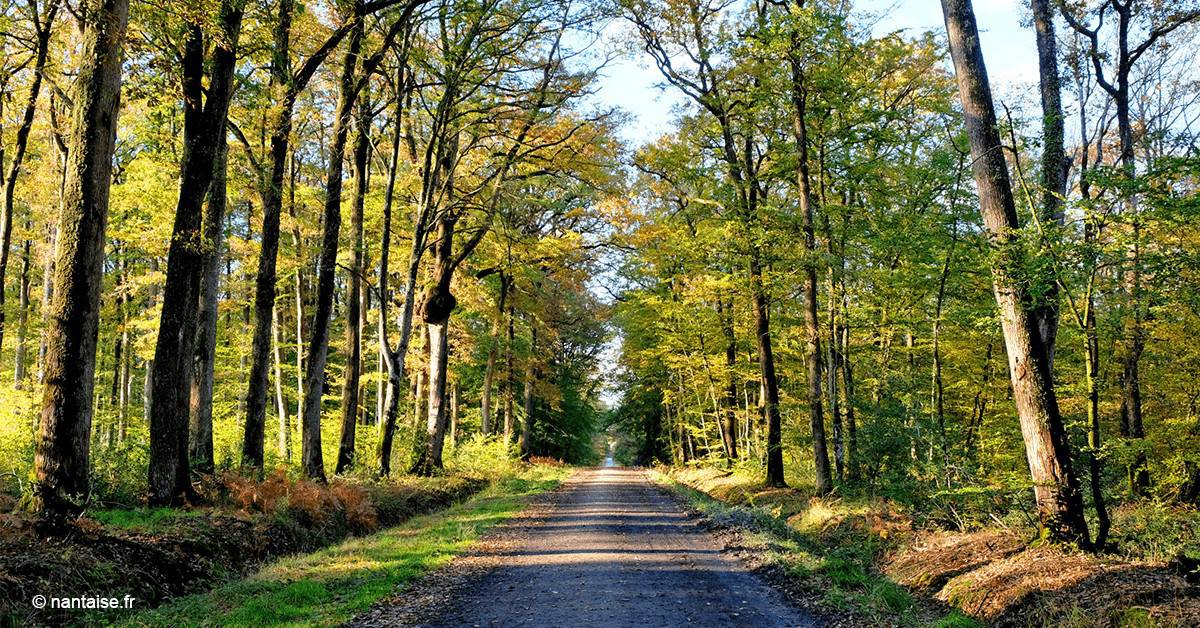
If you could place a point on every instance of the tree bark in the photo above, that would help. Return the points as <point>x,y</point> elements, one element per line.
<point>200,441</point>
<point>1059,503</point>
<point>766,364</point>
<point>174,352</point>
<point>264,289</point>
<point>455,396</point>
<point>350,388</point>
<point>525,442</point>
<point>298,287</point>
<point>284,440</point>
<point>834,362</point>
<point>1054,158</point>
<point>436,307</point>
<point>729,403</point>
<point>852,463</point>
<point>394,370</point>
<point>23,320</point>
<point>314,381</point>
<point>61,460</point>
<point>812,353</point>
<point>510,379</point>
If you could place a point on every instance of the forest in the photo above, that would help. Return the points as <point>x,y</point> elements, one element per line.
<point>279,273</point>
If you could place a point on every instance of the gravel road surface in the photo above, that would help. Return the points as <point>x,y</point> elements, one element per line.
<point>608,548</point>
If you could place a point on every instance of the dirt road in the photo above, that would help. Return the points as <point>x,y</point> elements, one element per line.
<point>607,549</point>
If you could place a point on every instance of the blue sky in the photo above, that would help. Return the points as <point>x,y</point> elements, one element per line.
<point>633,84</point>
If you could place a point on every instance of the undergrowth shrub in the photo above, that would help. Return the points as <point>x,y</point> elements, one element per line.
<point>481,456</point>
<point>360,513</point>
<point>251,495</point>
<point>16,443</point>
<point>311,503</point>
<point>119,470</point>
<point>1152,530</point>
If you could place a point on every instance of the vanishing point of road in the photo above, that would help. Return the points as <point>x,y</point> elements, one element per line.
<point>608,548</point>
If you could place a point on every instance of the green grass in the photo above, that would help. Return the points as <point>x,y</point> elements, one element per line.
<point>838,565</point>
<point>331,586</point>
<point>141,519</point>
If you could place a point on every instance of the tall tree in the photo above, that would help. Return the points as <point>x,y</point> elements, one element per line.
<point>1054,158</point>
<point>1118,85</point>
<point>350,383</point>
<point>61,464</point>
<point>350,85</point>
<point>314,379</point>
<point>812,351</point>
<point>1059,502</point>
<point>200,441</point>
<point>285,86</point>
<point>205,116</point>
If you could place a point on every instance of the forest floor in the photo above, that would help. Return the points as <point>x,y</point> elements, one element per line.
<point>156,554</point>
<point>866,561</point>
<point>610,548</point>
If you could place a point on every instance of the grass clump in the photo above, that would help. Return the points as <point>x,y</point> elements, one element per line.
<point>141,519</point>
<point>831,547</point>
<point>331,586</point>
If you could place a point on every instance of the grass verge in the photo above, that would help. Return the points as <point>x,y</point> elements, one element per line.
<point>831,572</point>
<point>331,586</point>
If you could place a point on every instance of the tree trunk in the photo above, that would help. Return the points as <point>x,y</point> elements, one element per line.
<point>23,320</point>
<point>729,403</point>
<point>510,382</point>
<point>200,441</point>
<point>1091,380</point>
<point>390,401</point>
<point>281,407</point>
<point>766,365</point>
<point>834,364</point>
<point>174,352</point>
<point>395,359</point>
<point>812,354</point>
<point>314,382</point>
<point>61,461</point>
<point>436,307</point>
<point>1054,159</point>
<point>1092,350</point>
<point>525,442</point>
<point>1059,503</point>
<point>118,339</point>
<point>350,388</point>
<point>47,293</point>
<point>852,462</point>
<point>489,373</point>
<point>455,396</point>
<point>126,367</point>
<point>436,420</point>
<point>264,287</point>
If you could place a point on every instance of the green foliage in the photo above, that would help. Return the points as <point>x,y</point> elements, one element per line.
<point>140,519</point>
<point>1156,531</point>
<point>957,620</point>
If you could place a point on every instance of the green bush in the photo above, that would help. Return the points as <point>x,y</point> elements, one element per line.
<point>1156,531</point>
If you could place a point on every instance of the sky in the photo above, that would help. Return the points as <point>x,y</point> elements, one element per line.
<point>634,84</point>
